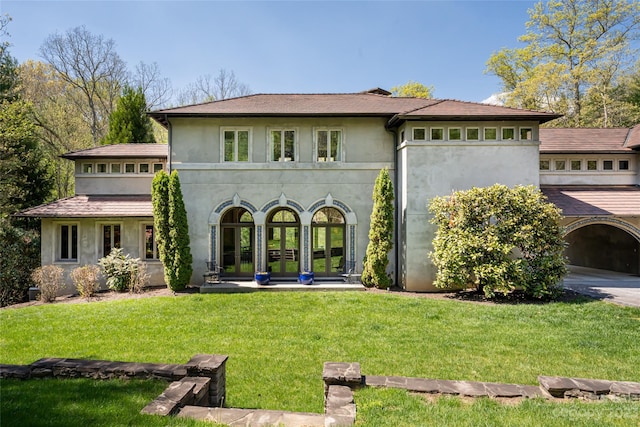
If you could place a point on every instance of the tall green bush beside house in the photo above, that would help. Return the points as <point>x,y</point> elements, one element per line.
<point>498,239</point>
<point>374,270</point>
<point>172,229</point>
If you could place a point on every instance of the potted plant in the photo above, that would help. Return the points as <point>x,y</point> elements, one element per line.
<point>262,277</point>
<point>306,277</point>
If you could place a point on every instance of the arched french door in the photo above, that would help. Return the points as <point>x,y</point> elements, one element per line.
<point>283,243</point>
<point>328,231</point>
<point>237,231</point>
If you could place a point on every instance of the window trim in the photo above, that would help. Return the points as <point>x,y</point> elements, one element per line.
<point>592,160</point>
<point>88,165</point>
<point>466,134</point>
<point>571,161</point>
<point>413,133</point>
<point>506,128</point>
<point>548,168</point>
<point>525,128</point>
<point>604,161</point>
<point>57,246</point>
<point>555,165</point>
<point>431,130</point>
<point>484,133</point>
<point>235,130</point>
<point>628,168</point>
<point>111,165</point>
<point>340,152</point>
<point>453,128</point>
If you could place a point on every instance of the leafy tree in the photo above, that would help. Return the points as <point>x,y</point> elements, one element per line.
<point>92,67</point>
<point>178,236</point>
<point>413,89</point>
<point>128,122</point>
<point>160,201</point>
<point>19,256</point>
<point>374,272</point>
<point>498,239</point>
<point>574,53</point>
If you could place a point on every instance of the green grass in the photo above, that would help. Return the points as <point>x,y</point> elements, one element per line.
<point>277,343</point>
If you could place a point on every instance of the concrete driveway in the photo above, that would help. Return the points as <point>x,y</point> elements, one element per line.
<point>619,288</point>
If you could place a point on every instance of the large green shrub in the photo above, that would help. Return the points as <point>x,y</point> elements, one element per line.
<point>160,201</point>
<point>374,272</point>
<point>497,239</point>
<point>178,236</point>
<point>19,256</point>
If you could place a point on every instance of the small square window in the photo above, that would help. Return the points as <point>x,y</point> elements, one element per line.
<point>87,168</point>
<point>623,165</point>
<point>402,137</point>
<point>607,165</point>
<point>101,168</point>
<point>526,134</point>
<point>508,133</point>
<point>560,165</point>
<point>473,134</point>
<point>576,165</point>
<point>544,165</point>
<point>419,134</point>
<point>437,134</point>
<point>144,167</point>
<point>157,167</point>
<point>455,134</point>
<point>490,134</point>
<point>116,167</point>
<point>130,168</point>
<point>592,165</point>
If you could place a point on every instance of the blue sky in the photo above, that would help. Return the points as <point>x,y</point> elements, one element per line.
<point>293,47</point>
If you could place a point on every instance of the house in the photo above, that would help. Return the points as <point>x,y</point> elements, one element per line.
<point>283,182</point>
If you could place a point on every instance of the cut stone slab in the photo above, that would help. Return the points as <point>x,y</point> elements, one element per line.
<point>557,386</point>
<point>252,417</point>
<point>340,373</point>
<point>626,388</point>
<point>21,372</point>
<point>593,386</point>
<point>503,390</point>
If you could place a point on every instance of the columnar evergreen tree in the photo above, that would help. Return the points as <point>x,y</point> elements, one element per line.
<point>128,122</point>
<point>374,271</point>
<point>178,236</point>
<point>160,201</point>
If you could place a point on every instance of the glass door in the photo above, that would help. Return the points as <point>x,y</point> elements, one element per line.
<point>283,247</point>
<point>328,242</point>
<point>237,243</point>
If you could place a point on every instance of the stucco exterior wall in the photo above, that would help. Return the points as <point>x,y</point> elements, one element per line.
<point>210,186</point>
<point>90,245</point>
<point>586,177</point>
<point>436,168</point>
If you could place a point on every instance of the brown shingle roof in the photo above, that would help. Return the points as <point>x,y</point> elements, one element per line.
<point>347,104</point>
<point>633,140</point>
<point>571,140</point>
<point>595,200</point>
<point>121,151</point>
<point>92,207</point>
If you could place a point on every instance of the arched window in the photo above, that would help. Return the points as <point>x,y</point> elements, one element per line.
<point>283,245</point>
<point>237,242</point>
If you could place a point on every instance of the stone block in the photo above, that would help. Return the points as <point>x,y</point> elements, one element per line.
<point>161,406</point>
<point>422,385</point>
<point>593,386</point>
<point>205,365</point>
<point>626,389</point>
<point>338,373</point>
<point>556,386</point>
<point>200,389</point>
<point>21,372</point>
<point>503,390</point>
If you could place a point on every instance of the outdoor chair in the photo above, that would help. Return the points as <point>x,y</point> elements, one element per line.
<point>214,273</point>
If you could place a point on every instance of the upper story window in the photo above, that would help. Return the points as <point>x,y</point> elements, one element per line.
<point>419,134</point>
<point>129,168</point>
<point>623,165</point>
<point>455,134</point>
<point>236,145</point>
<point>473,134</point>
<point>592,165</point>
<point>526,134</point>
<point>283,145</point>
<point>607,165</point>
<point>490,134</point>
<point>544,165</point>
<point>508,133</point>
<point>576,165</point>
<point>437,134</point>
<point>101,168</point>
<point>116,168</point>
<point>143,167</point>
<point>329,145</point>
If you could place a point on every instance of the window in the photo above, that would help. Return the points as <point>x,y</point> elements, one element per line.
<point>87,168</point>
<point>526,134</point>
<point>623,165</point>
<point>130,168</point>
<point>110,238</point>
<point>490,134</point>
<point>150,246</point>
<point>101,168</point>
<point>68,248</point>
<point>236,145</point>
<point>508,133</point>
<point>143,167</point>
<point>419,134</point>
<point>560,165</point>
<point>116,167</point>
<point>473,134</point>
<point>592,165</point>
<point>576,165</point>
<point>455,134</point>
<point>157,167</point>
<point>283,145</point>
<point>437,134</point>
<point>544,165</point>
<point>607,165</point>
<point>330,145</point>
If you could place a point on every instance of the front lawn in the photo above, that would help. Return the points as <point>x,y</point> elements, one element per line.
<point>278,342</point>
